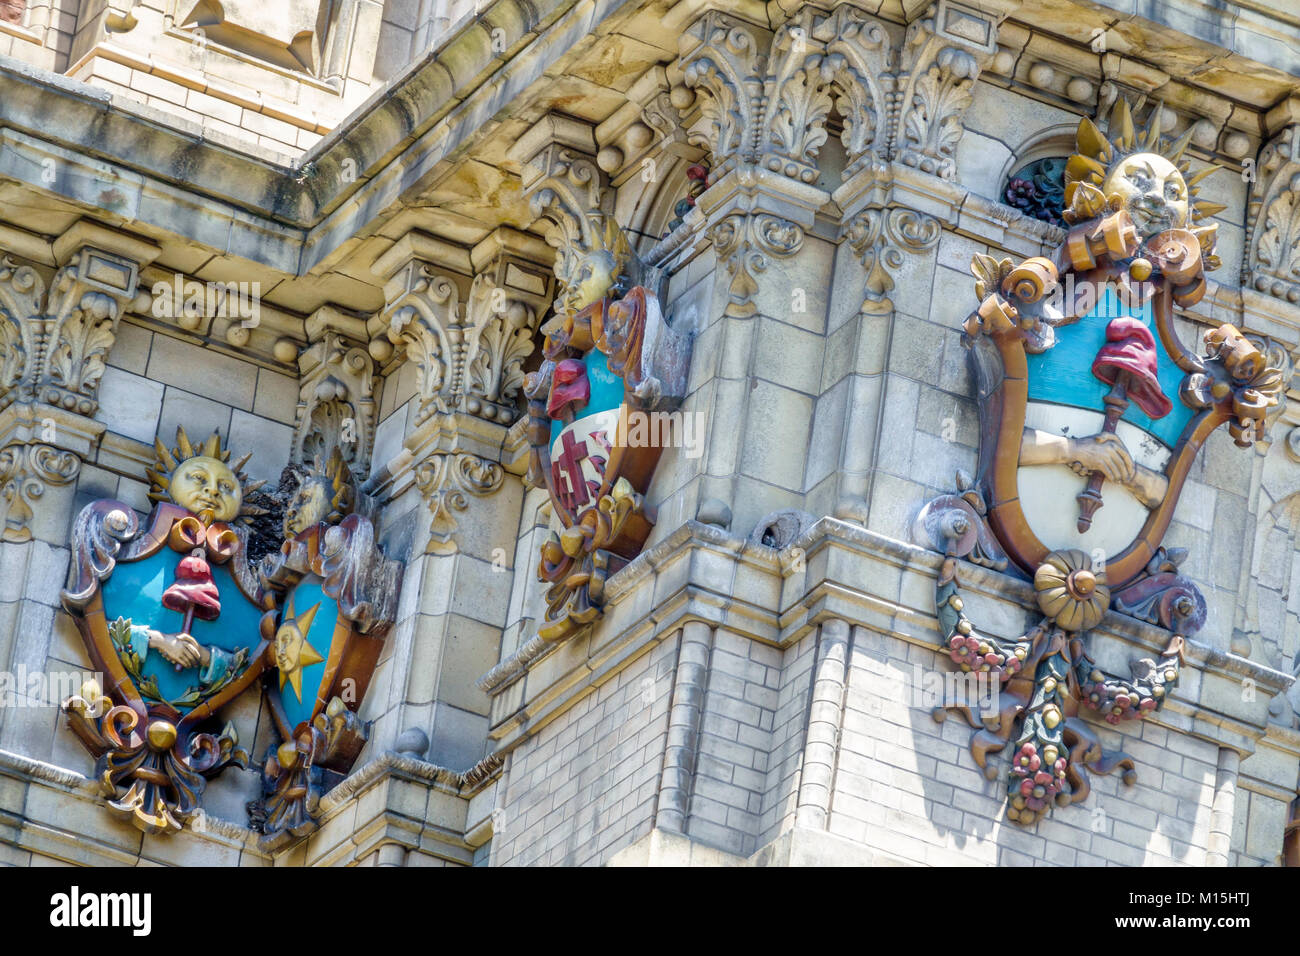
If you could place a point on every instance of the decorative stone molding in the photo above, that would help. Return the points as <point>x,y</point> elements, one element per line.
<point>934,92</point>
<point>567,190</point>
<point>859,56</point>
<point>743,244</point>
<point>445,479</point>
<point>25,471</point>
<point>468,350</point>
<point>54,342</point>
<point>646,130</point>
<point>880,238</point>
<point>721,56</point>
<point>765,97</point>
<point>1272,261</point>
<point>336,404</point>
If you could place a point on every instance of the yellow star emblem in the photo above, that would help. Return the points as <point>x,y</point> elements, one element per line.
<point>292,652</point>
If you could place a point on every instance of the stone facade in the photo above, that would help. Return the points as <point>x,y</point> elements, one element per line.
<point>400,191</point>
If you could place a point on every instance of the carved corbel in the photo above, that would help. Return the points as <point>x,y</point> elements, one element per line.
<point>445,480</point>
<point>880,238</point>
<point>743,244</point>
<point>25,471</point>
<point>1272,261</point>
<point>336,403</point>
<point>499,338</point>
<point>21,292</point>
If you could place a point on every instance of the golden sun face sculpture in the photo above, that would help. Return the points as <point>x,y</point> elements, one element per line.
<point>292,652</point>
<point>324,495</point>
<point>199,478</point>
<point>1153,191</point>
<point>602,271</point>
<point>1139,172</point>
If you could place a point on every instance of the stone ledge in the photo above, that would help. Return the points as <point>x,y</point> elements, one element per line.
<point>850,573</point>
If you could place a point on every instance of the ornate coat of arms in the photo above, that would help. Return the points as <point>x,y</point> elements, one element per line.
<point>599,419</point>
<point>1092,411</point>
<point>180,624</point>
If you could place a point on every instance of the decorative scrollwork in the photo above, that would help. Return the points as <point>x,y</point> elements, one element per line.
<point>744,244</point>
<point>880,238</point>
<point>25,472</point>
<point>446,480</point>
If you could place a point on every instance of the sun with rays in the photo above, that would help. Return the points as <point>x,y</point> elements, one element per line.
<point>293,654</point>
<point>1141,172</point>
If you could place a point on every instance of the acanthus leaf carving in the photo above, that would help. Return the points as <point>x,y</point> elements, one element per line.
<point>1273,220</point>
<point>469,355</point>
<point>721,59</point>
<point>935,90</point>
<point>54,347</point>
<point>799,97</point>
<point>500,339</point>
<point>859,60</point>
<point>422,321</point>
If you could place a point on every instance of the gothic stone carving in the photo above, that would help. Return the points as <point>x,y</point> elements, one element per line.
<point>880,237</point>
<point>468,356</point>
<point>1273,219</point>
<point>336,404</point>
<point>765,96</point>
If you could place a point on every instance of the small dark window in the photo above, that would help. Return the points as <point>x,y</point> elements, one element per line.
<point>1038,189</point>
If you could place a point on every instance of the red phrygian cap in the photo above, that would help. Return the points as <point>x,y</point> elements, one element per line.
<point>194,587</point>
<point>568,384</point>
<point>1131,348</point>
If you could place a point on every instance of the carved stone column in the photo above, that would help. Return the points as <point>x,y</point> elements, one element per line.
<point>467,321</point>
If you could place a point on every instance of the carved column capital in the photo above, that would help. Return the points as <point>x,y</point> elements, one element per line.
<point>467,337</point>
<point>940,60</point>
<point>1272,263</point>
<point>54,341</point>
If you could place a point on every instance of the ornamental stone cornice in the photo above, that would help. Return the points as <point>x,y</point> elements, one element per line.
<point>703,573</point>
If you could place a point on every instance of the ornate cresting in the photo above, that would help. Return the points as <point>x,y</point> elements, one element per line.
<point>610,363</point>
<point>1092,412</point>
<point>180,624</point>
